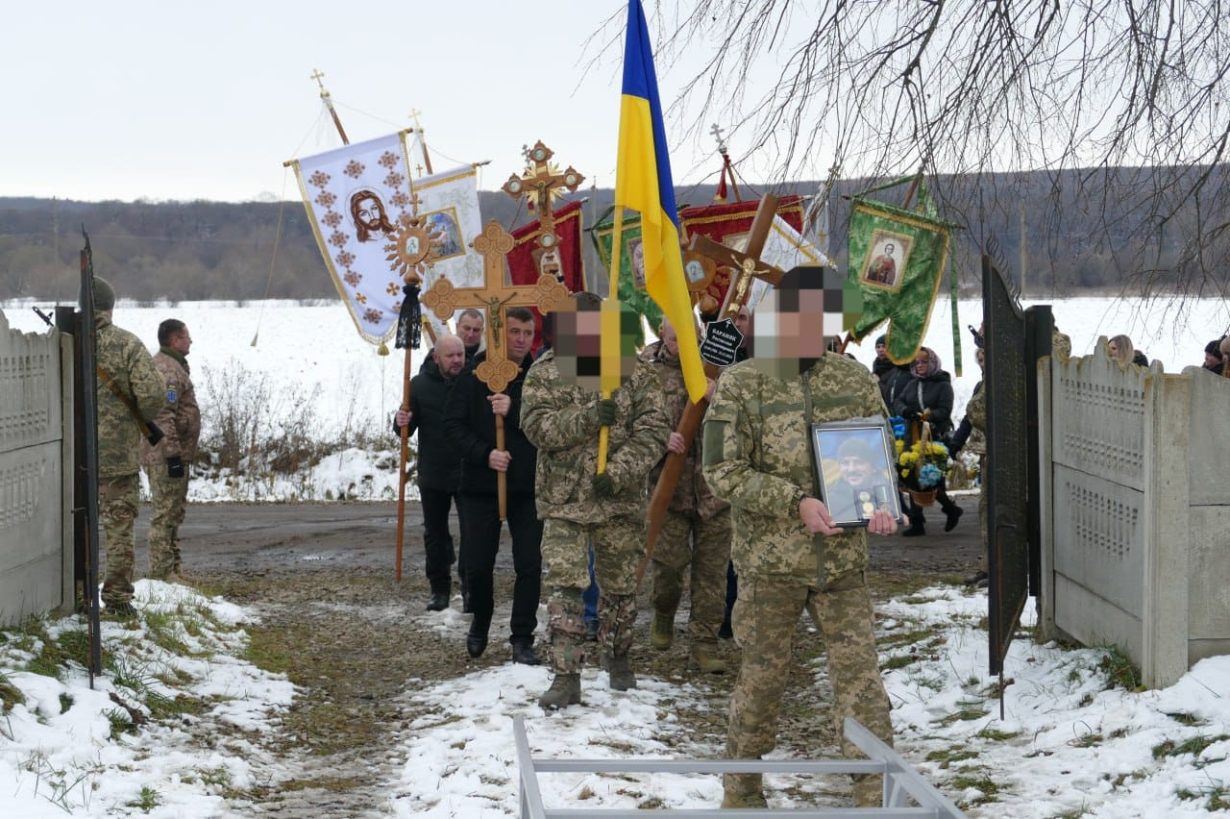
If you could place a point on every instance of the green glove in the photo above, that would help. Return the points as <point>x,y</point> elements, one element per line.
<point>606,412</point>
<point>604,485</point>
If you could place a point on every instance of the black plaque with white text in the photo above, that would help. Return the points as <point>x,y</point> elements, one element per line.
<point>721,344</point>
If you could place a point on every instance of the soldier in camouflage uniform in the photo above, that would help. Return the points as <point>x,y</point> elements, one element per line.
<point>789,556</point>
<point>127,363</point>
<point>561,415</point>
<point>696,531</point>
<point>166,464</point>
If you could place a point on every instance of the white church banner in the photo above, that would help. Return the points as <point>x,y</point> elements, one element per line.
<point>356,197</point>
<point>785,248</point>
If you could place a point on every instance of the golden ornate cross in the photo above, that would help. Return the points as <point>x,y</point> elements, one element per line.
<point>540,184</point>
<point>495,297</point>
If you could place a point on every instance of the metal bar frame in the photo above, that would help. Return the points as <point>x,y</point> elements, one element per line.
<point>901,782</point>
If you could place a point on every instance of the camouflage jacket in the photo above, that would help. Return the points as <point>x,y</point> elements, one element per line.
<point>131,368</point>
<point>692,494</point>
<point>180,418</point>
<point>561,419</point>
<point>758,456</point>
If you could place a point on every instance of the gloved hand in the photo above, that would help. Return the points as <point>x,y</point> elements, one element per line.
<point>910,415</point>
<point>606,412</point>
<point>175,467</point>
<point>604,485</point>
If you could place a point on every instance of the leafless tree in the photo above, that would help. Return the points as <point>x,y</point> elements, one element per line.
<point>1124,103</point>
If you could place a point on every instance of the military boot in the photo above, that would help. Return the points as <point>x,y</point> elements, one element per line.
<point>705,658</point>
<point>662,632</point>
<point>743,791</point>
<point>565,690</point>
<point>622,677</point>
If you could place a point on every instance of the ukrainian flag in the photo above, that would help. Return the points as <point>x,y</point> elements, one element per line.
<point>643,182</point>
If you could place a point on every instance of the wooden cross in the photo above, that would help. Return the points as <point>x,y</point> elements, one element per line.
<point>495,297</point>
<point>748,266</point>
<point>746,263</point>
<point>540,185</point>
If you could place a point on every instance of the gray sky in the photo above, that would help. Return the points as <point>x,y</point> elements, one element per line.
<point>171,100</point>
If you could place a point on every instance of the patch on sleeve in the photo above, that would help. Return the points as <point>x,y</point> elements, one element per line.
<point>713,444</point>
<point>171,396</point>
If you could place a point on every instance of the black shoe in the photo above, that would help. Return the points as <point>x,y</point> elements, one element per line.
<point>591,631</point>
<point>476,644</point>
<point>954,513</point>
<point>438,601</point>
<point>914,530</point>
<point>524,653</point>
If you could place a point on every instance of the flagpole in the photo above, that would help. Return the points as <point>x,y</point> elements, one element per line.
<point>604,432</point>
<point>318,75</point>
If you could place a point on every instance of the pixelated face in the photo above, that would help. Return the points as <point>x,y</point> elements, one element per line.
<point>792,322</point>
<point>450,356</point>
<point>520,336</point>
<point>855,470</point>
<point>578,345</point>
<point>470,330</point>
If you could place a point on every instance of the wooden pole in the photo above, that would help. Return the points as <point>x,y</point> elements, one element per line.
<point>404,451</point>
<point>604,433</point>
<point>501,478</point>
<point>318,75</point>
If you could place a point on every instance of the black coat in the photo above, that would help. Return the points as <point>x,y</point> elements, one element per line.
<point>470,426</point>
<point>892,381</point>
<point>439,464</point>
<point>933,393</point>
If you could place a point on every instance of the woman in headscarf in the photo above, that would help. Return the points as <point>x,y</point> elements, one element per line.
<point>927,397</point>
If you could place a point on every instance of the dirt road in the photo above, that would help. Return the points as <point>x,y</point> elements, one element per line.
<point>320,579</point>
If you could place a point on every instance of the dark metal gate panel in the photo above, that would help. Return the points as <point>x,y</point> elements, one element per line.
<point>1007,459</point>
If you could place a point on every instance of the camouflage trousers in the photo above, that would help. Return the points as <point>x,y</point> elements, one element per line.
<point>688,540</point>
<point>169,496</point>
<point>765,618</point>
<point>618,546</point>
<point>117,510</point>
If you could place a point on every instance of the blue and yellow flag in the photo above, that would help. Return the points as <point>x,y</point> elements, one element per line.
<point>643,182</point>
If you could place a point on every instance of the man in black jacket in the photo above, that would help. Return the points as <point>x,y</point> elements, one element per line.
<point>439,465</point>
<point>470,426</point>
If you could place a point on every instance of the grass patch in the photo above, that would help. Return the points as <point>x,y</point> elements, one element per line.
<point>1120,671</point>
<point>66,702</point>
<point>162,630</point>
<point>1190,720</point>
<point>1217,798</point>
<point>950,755</point>
<point>270,651</point>
<point>121,723</point>
<point>901,661</point>
<point>1194,746</point>
<point>336,784</point>
<point>163,707</point>
<point>1089,740</point>
<point>996,735</point>
<point>146,801</point>
<point>967,712</point>
<point>10,695</point>
<point>978,779</point>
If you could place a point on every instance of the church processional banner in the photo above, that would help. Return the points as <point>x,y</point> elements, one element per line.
<point>356,197</point>
<point>728,223</point>
<point>897,258</point>
<point>785,248</point>
<point>527,260</point>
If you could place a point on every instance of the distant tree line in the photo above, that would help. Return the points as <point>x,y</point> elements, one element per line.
<point>217,250</point>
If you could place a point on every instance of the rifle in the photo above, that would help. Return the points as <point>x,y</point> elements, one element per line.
<point>149,430</point>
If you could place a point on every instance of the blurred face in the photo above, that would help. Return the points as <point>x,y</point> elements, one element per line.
<point>855,470</point>
<point>470,330</point>
<point>922,363</point>
<point>881,350</point>
<point>1210,360</point>
<point>520,335</point>
<point>181,342</point>
<point>1114,349</point>
<point>670,340</point>
<point>450,356</point>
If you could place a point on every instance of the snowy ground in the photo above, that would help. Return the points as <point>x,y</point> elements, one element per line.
<point>1071,743</point>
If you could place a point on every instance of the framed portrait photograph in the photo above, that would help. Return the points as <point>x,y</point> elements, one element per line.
<point>854,460</point>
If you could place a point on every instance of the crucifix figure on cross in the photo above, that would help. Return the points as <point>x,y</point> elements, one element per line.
<point>494,298</point>
<point>540,185</point>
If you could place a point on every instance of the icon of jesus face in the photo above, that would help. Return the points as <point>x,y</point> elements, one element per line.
<point>369,212</point>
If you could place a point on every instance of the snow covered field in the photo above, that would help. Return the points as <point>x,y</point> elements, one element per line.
<point>310,359</point>
<point>1071,744</point>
